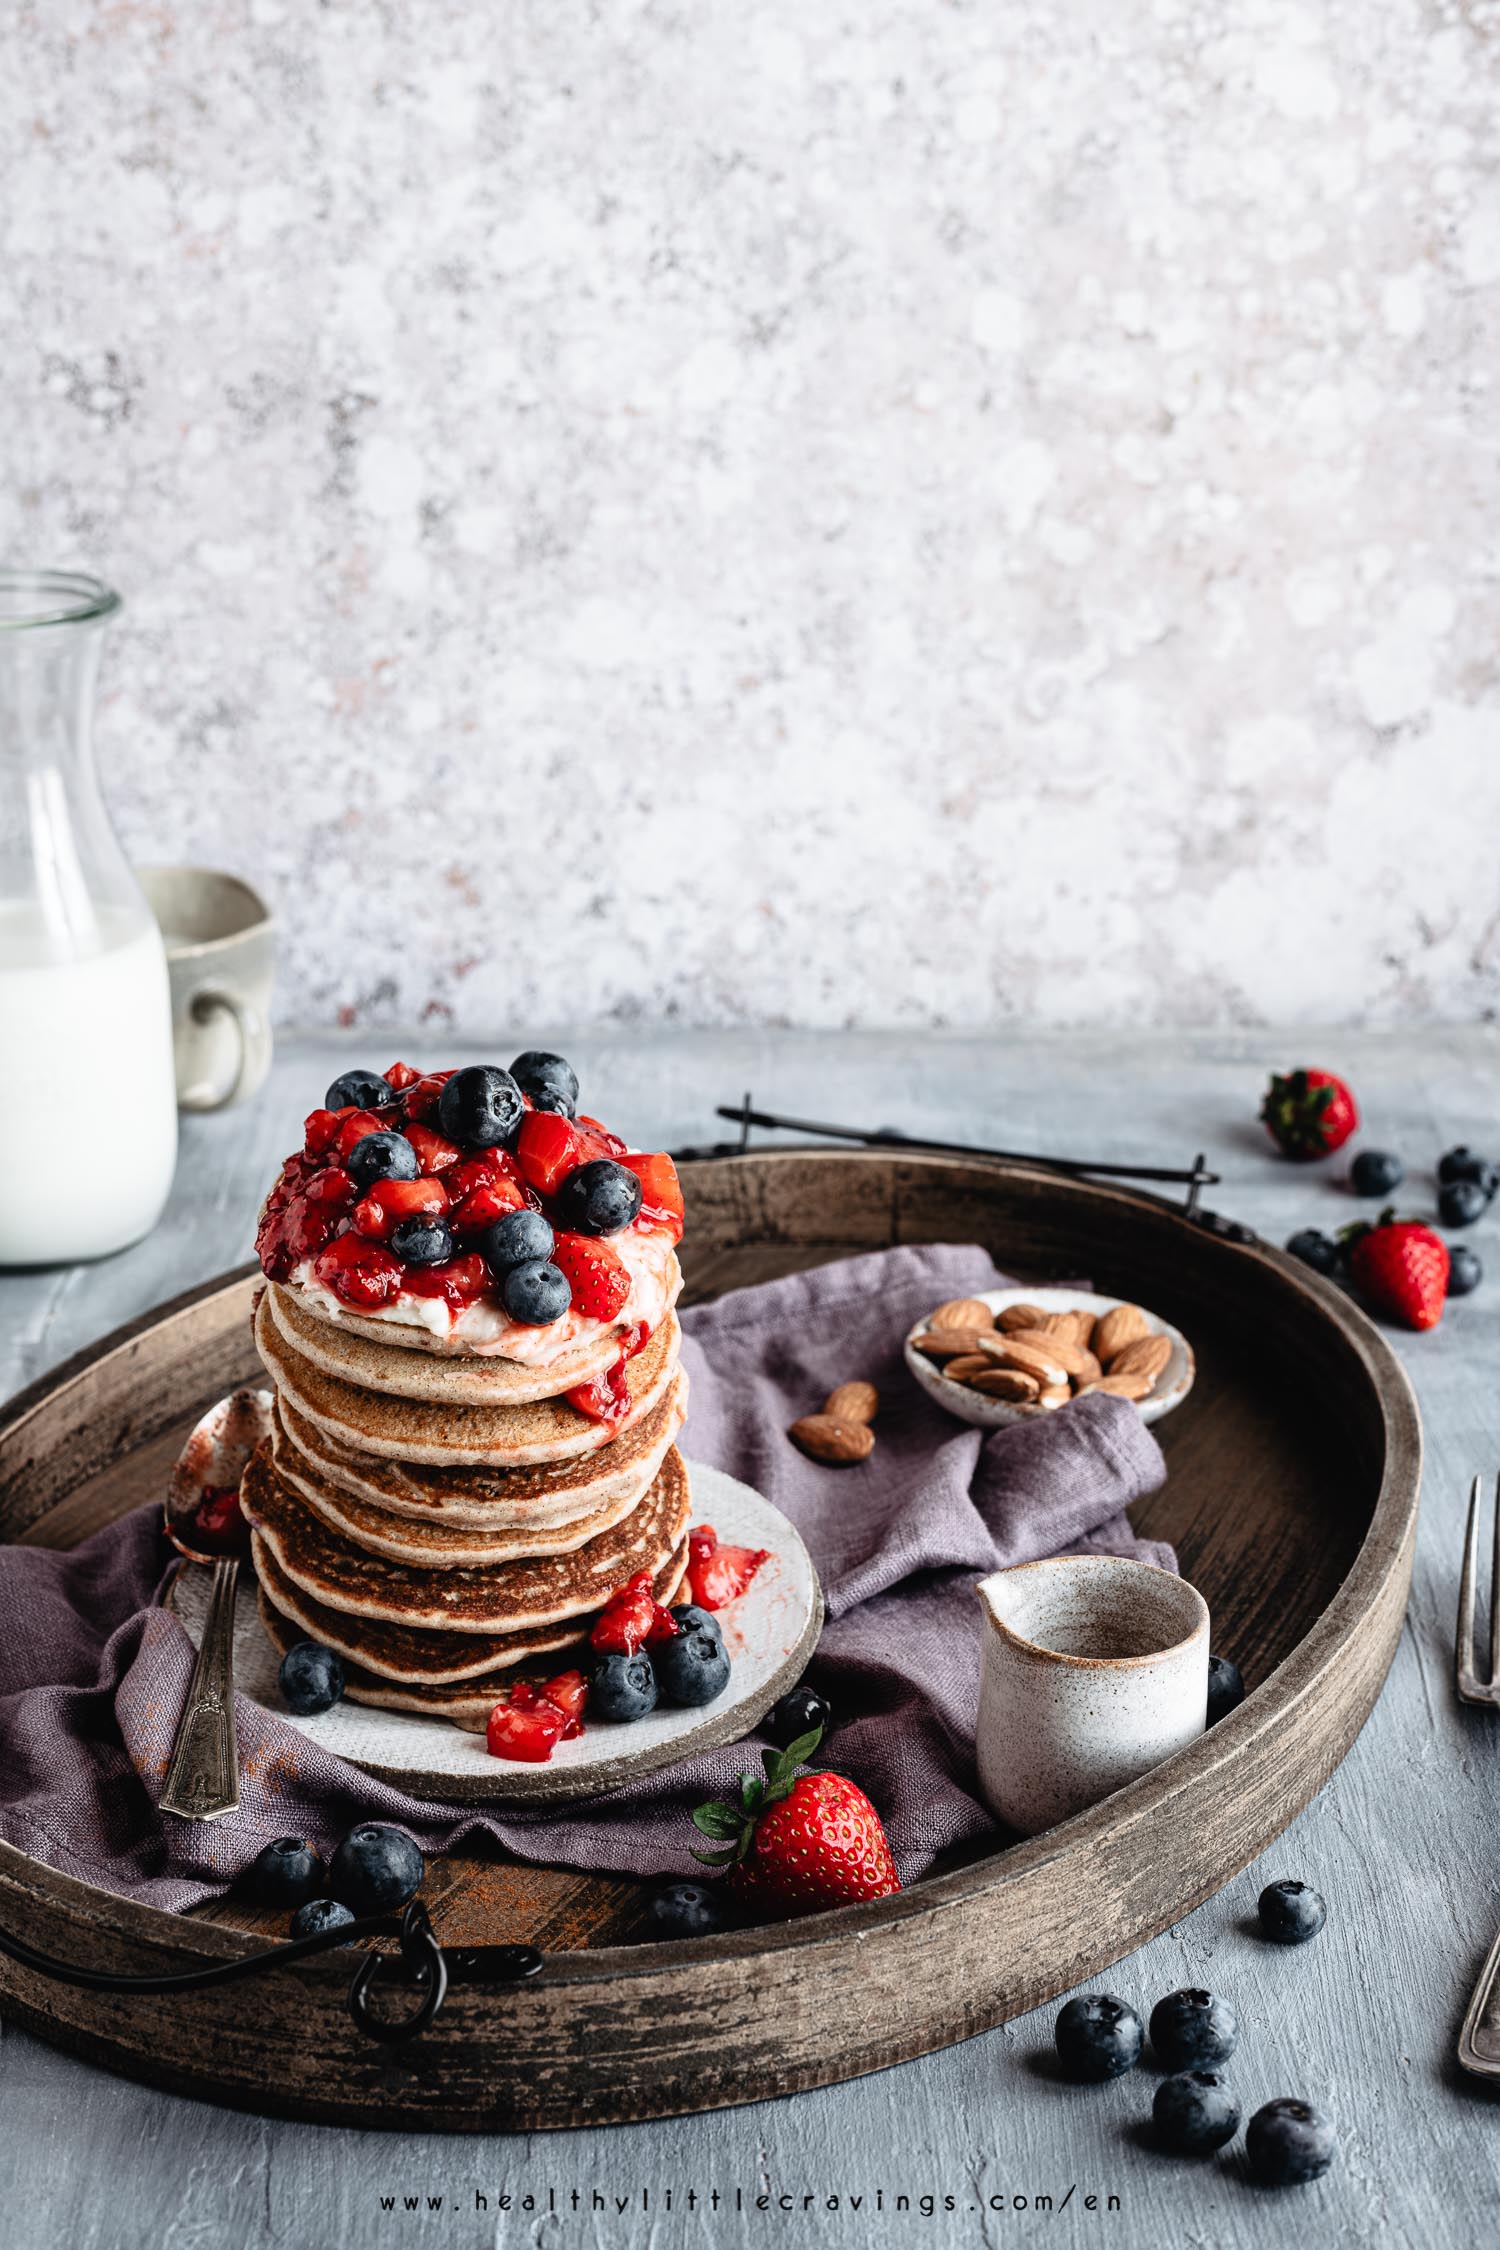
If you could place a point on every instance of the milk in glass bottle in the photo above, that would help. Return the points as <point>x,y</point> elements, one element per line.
<point>88,1115</point>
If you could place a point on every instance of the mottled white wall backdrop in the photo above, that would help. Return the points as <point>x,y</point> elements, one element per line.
<point>865,513</point>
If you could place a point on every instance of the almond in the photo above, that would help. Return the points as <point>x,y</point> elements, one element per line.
<point>966,1364</point>
<point>1121,1386</point>
<point>825,1438</point>
<point>962,1312</point>
<point>946,1343</point>
<point>1021,1316</point>
<point>1073,1359</point>
<point>1034,1356</point>
<point>1055,1395</point>
<point>1075,1327</point>
<point>1116,1328</point>
<point>1144,1355</point>
<point>853,1402</point>
<point>1007,1383</point>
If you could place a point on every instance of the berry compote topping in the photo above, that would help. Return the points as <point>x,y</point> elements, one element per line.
<point>217,1525</point>
<point>718,1575</point>
<point>530,1721</point>
<point>340,1211</point>
<point>631,1617</point>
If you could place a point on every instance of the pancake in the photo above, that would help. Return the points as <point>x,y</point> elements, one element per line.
<point>443,1546</point>
<point>449,1381</point>
<point>402,1429</point>
<point>480,1499</point>
<point>500,1599</point>
<point>468,1703</point>
<point>415,1342</point>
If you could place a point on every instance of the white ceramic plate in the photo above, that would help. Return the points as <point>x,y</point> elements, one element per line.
<point>770,1633</point>
<point>1172,1388</point>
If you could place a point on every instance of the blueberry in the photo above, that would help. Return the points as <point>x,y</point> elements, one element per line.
<point>376,1868</point>
<point>480,1106</point>
<point>422,1241</point>
<point>691,1668</point>
<point>1226,1690</point>
<point>550,1082</point>
<point>359,1089</point>
<point>622,1687</point>
<point>1463,1164</point>
<point>689,1618</point>
<point>1098,2037</point>
<point>285,1873</point>
<point>519,1239</point>
<point>1288,2143</point>
<point>1319,1251</point>
<point>599,1198</point>
<point>799,1711</point>
<point>536,1293</point>
<point>1193,2030</point>
<point>1375,1171</point>
<point>312,1678</point>
<point>684,1910</point>
<point>1195,2113</point>
<point>319,1914</point>
<point>1464,1270</point>
<point>1461,1202</point>
<point>382,1156</point>
<point>1291,1913</point>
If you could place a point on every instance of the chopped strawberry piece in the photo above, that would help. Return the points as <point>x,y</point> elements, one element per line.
<point>526,1733</point>
<point>458,1283</point>
<point>718,1575</point>
<point>332,1187</point>
<point>434,1152</point>
<point>355,1123</point>
<point>661,1192</point>
<point>399,1077</point>
<point>321,1130</point>
<point>486,1167</point>
<point>609,1144</point>
<point>595,1274</point>
<point>548,1149</point>
<point>631,1616</point>
<point>421,1096</point>
<point>391,1201</point>
<point>568,1693</point>
<point>362,1273</point>
<point>605,1399</point>
<point>485,1205</point>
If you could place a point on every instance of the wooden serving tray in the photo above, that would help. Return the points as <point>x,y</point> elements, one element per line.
<point>1292,1501</point>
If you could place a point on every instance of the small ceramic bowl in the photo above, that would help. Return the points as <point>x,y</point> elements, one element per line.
<point>1173,1385</point>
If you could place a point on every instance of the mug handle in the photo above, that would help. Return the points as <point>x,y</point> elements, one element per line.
<point>255,1043</point>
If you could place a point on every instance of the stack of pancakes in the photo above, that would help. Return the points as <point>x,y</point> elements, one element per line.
<point>438,1518</point>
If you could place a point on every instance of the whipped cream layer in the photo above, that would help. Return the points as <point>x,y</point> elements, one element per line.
<point>486,1328</point>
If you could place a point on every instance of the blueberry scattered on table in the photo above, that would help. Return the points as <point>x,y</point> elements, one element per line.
<point>422,1241</point>
<point>1463,1163</point>
<point>600,1197</point>
<point>1461,1202</point>
<point>359,1089</point>
<point>1226,1690</point>
<point>682,1910</point>
<point>550,1082</point>
<point>622,1688</point>
<point>1291,1912</point>
<point>1376,1171</point>
<point>521,1238</point>
<point>318,1915</point>
<point>284,1873</point>
<point>1315,1249</point>
<point>481,1106</point>
<point>312,1678</point>
<point>1195,2113</point>
<point>797,1713</point>
<point>382,1156</point>
<point>691,1668</point>
<point>376,1868</point>
<point>1288,2143</point>
<point>1098,2037</point>
<point>1464,1270</point>
<point>1193,2030</point>
<point>536,1293</point>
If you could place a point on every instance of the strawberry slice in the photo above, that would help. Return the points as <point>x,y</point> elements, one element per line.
<point>353,1126</point>
<point>399,1077</point>
<point>528,1733</point>
<point>321,1130</point>
<point>630,1617</point>
<point>390,1201</point>
<point>599,1282</point>
<point>458,1282</point>
<point>482,1189</point>
<point>718,1575</point>
<point>548,1149</point>
<point>362,1273</point>
<point>661,1191</point>
<point>434,1152</point>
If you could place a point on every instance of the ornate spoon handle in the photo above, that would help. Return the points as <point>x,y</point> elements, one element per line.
<point>203,1779</point>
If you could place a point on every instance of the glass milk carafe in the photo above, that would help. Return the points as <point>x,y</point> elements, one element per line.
<point>88,1117</point>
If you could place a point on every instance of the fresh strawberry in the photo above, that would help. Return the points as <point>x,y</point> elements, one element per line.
<point>362,1273</point>
<point>1308,1113</point>
<point>353,1126</point>
<point>719,1575</point>
<point>631,1617</point>
<point>321,1130</point>
<point>661,1192</point>
<point>548,1148</point>
<point>1402,1267</point>
<point>568,1691</point>
<point>399,1077</point>
<point>799,1842</point>
<point>434,1152</point>
<point>390,1201</point>
<point>599,1282</point>
<point>458,1283</point>
<point>525,1731</point>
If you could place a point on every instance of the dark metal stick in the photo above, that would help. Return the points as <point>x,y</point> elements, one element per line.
<point>1075,1167</point>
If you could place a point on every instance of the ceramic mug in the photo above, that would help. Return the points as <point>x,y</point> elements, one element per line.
<point>1095,1668</point>
<point>221,959</point>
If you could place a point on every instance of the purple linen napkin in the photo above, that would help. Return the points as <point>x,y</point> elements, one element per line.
<point>93,1674</point>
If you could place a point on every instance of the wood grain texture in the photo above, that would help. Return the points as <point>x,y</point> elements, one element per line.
<point>1404,1840</point>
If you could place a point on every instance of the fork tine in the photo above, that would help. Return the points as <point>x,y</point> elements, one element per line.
<point>1463,1652</point>
<point>1495,1594</point>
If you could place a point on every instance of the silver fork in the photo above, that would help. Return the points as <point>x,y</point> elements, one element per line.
<point>1479,2040</point>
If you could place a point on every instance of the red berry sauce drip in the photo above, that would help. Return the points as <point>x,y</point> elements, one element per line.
<point>217,1524</point>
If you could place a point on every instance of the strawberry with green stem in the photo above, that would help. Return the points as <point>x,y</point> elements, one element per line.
<point>1308,1113</point>
<point>799,1842</point>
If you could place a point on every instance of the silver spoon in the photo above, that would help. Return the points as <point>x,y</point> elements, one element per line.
<point>204,1522</point>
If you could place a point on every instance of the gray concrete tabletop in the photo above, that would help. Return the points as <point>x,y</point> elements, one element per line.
<point>980,2143</point>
